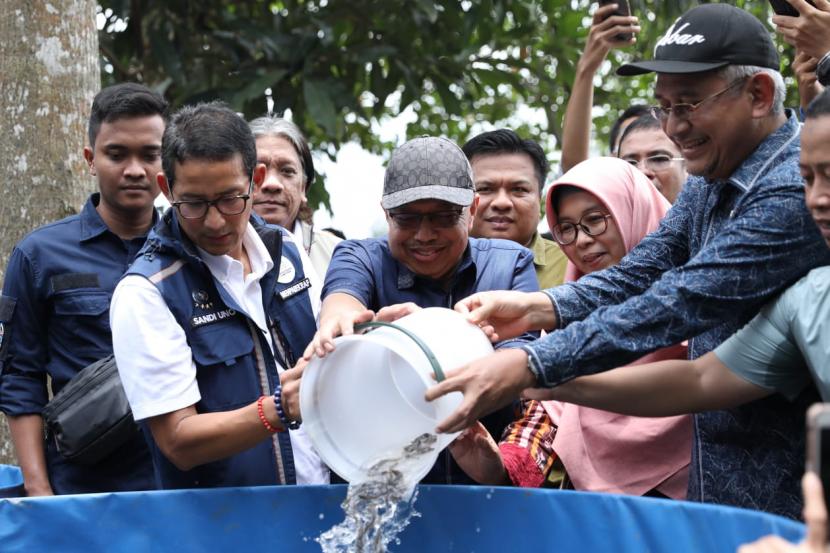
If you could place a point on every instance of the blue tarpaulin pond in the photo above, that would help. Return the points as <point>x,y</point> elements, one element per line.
<point>453,518</point>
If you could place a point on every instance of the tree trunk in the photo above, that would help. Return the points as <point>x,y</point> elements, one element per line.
<point>49,74</point>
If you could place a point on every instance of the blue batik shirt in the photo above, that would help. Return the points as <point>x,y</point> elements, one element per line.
<point>723,250</point>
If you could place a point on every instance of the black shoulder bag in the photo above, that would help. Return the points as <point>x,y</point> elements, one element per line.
<point>90,417</point>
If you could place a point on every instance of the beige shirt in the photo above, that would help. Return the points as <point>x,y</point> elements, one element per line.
<point>550,261</point>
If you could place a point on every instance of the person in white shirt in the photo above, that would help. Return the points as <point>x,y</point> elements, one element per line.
<point>211,317</point>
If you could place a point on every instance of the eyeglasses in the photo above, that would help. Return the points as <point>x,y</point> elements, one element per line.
<point>227,205</point>
<point>592,223</point>
<point>654,163</point>
<point>684,111</point>
<point>439,219</point>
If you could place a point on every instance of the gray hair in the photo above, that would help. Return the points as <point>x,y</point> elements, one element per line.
<point>271,125</point>
<point>732,73</point>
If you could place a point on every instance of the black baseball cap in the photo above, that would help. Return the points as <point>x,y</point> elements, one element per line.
<point>709,37</point>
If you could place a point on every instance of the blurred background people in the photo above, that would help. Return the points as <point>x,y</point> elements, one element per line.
<point>644,145</point>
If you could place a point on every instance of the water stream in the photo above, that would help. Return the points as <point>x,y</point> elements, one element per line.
<point>380,506</point>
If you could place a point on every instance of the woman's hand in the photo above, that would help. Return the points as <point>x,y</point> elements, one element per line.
<point>477,453</point>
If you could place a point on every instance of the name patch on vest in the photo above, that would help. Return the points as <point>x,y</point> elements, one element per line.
<point>295,289</point>
<point>202,320</point>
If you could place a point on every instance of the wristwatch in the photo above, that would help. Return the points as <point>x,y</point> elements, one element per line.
<point>823,70</point>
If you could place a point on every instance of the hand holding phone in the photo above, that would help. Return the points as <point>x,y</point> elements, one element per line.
<point>809,31</point>
<point>782,7</point>
<point>623,9</point>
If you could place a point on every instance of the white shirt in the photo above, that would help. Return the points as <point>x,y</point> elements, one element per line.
<point>155,362</point>
<point>314,278</point>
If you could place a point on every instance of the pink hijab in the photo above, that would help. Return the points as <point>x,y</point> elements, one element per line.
<point>636,205</point>
<point>603,451</point>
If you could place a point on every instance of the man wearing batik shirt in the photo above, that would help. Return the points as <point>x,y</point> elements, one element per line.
<point>737,236</point>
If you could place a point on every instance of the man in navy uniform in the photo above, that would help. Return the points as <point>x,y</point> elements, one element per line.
<point>211,317</point>
<point>56,295</point>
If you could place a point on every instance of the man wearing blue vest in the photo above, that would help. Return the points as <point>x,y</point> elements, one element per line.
<point>427,260</point>
<point>211,317</point>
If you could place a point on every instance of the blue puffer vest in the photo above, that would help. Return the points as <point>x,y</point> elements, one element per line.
<point>233,362</point>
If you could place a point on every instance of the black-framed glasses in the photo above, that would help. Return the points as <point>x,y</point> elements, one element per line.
<point>684,111</point>
<point>226,205</point>
<point>439,219</point>
<point>592,223</point>
<point>660,162</point>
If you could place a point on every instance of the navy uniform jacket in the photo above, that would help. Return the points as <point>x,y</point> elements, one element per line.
<point>225,344</point>
<point>366,270</point>
<point>54,321</point>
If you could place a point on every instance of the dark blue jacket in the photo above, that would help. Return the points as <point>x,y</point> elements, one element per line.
<point>54,321</point>
<point>224,343</point>
<point>366,270</point>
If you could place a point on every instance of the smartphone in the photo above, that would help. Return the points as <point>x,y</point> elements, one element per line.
<point>623,8</point>
<point>818,445</point>
<point>782,7</point>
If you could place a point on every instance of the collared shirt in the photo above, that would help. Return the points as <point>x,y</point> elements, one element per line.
<point>550,261</point>
<point>159,373</point>
<point>54,317</point>
<point>724,249</point>
<point>60,278</point>
<point>366,270</point>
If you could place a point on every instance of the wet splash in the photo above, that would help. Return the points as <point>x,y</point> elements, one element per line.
<point>379,508</point>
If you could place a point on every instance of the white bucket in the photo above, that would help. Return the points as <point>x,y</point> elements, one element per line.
<point>365,399</point>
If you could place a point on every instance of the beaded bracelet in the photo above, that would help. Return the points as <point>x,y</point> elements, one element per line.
<point>291,425</point>
<point>261,413</point>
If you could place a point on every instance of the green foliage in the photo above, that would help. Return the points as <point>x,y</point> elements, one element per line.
<point>343,66</point>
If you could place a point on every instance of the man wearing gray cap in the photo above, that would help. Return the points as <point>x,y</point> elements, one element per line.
<point>427,260</point>
<point>737,236</point>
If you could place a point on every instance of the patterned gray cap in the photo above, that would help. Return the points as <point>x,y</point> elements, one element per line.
<point>428,168</point>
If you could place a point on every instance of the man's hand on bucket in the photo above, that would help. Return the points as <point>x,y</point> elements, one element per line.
<point>392,313</point>
<point>487,384</point>
<point>506,314</point>
<point>290,383</point>
<point>341,324</point>
<point>477,453</point>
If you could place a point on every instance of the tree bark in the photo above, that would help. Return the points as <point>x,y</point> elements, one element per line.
<point>49,74</point>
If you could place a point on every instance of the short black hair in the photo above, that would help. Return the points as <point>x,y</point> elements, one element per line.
<point>506,141</point>
<point>635,111</point>
<point>208,131</point>
<point>121,101</point>
<point>819,106</point>
<point>645,122</point>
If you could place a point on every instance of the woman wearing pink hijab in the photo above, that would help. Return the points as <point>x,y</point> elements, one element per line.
<point>598,211</point>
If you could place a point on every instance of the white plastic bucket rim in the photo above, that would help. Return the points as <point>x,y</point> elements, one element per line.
<point>365,399</point>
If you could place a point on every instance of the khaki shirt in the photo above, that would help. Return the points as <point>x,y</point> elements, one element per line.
<point>550,261</point>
